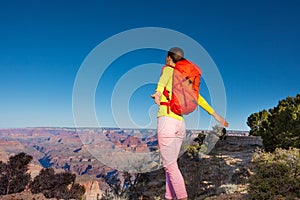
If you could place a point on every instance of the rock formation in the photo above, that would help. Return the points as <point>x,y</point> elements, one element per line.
<point>92,190</point>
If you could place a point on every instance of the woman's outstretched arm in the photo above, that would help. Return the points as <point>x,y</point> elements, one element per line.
<point>203,103</point>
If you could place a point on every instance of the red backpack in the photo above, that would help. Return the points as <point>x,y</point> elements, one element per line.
<point>185,88</point>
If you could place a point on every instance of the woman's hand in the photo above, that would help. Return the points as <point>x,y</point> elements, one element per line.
<point>220,119</point>
<point>156,97</point>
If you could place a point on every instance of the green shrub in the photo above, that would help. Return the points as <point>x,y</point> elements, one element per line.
<point>193,149</point>
<point>276,175</point>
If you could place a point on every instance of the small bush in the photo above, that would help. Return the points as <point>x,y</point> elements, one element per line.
<point>192,150</point>
<point>61,185</point>
<point>276,175</point>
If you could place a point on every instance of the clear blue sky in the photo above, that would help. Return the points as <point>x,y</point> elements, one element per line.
<point>255,45</point>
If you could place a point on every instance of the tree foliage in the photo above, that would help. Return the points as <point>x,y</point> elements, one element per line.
<point>14,178</point>
<point>61,185</point>
<point>277,175</point>
<point>279,127</point>
<point>13,174</point>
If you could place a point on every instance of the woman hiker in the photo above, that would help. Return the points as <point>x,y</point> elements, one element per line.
<point>171,128</point>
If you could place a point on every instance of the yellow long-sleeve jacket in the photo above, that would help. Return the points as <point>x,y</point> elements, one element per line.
<point>166,81</point>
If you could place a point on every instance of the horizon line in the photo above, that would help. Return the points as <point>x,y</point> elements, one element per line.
<point>106,127</point>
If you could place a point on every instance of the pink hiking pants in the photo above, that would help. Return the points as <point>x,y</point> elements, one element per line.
<point>171,133</point>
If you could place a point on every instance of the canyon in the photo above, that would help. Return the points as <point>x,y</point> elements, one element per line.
<point>94,153</point>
